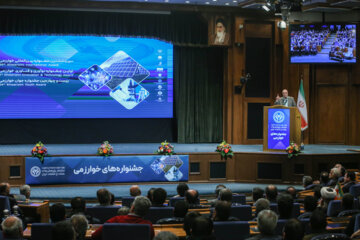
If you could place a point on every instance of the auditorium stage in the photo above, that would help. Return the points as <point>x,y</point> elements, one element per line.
<point>250,164</point>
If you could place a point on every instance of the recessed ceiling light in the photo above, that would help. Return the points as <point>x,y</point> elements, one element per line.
<point>235,1</point>
<point>207,3</point>
<point>214,0</point>
<point>166,1</point>
<point>226,4</point>
<point>187,1</point>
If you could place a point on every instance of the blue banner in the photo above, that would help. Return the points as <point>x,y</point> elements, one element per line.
<point>278,128</point>
<point>63,170</point>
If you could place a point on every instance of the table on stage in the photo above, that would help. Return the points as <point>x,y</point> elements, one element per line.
<point>36,210</point>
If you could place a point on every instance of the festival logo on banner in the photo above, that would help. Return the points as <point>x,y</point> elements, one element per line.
<point>278,129</point>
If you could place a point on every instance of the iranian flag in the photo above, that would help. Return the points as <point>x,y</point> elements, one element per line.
<point>301,105</point>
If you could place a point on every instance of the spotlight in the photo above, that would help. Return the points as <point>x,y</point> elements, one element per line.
<point>282,25</point>
<point>266,8</point>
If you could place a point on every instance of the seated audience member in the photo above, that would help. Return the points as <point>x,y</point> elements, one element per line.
<point>192,197</point>
<point>267,221</point>
<point>293,230</point>
<point>80,225</point>
<point>292,191</point>
<point>225,195</point>
<point>135,191</point>
<point>285,205</point>
<point>222,212</point>
<point>180,211</point>
<point>181,189</point>
<point>124,210</point>
<point>317,224</point>
<point>12,228</point>
<point>104,197</point>
<point>57,212</point>
<point>202,228</point>
<point>25,190</point>
<point>327,194</point>
<point>347,204</point>
<point>324,178</point>
<point>271,193</point>
<point>150,194</point>
<point>217,192</point>
<point>165,235</point>
<point>261,204</point>
<point>257,193</point>
<point>5,191</point>
<point>317,192</point>
<point>310,205</point>
<point>159,197</point>
<point>307,182</point>
<point>342,175</point>
<point>112,199</point>
<point>138,210</point>
<point>63,231</point>
<point>349,180</point>
<point>78,206</point>
<point>334,176</point>
<point>188,222</point>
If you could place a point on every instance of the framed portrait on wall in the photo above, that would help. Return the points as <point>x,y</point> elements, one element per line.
<point>219,31</point>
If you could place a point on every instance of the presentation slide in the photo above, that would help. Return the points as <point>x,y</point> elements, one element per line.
<point>47,77</point>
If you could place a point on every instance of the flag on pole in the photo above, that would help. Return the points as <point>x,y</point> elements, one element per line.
<point>301,105</point>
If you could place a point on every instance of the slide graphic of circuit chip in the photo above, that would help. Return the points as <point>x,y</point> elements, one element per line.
<point>95,77</point>
<point>129,93</point>
<point>121,66</point>
<point>170,166</point>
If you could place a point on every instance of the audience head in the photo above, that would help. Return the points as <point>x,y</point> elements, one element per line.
<point>347,201</point>
<point>222,211</point>
<point>103,196</point>
<point>159,196</point>
<point>150,194</point>
<point>57,212</point>
<point>63,231</point>
<point>112,198</point>
<point>307,180</point>
<point>327,193</point>
<point>324,177</point>
<point>285,204</point>
<point>78,205</point>
<point>257,193</point>
<point>165,235</point>
<point>292,191</point>
<point>225,195</point>
<point>140,206</point>
<point>335,173</point>
<point>191,196</point>
<point>202,227</point>
<point>338,165</point>
<point>135,191</point>
<point>349,177</point>
<point>267,221</point>
<point>318,220</point>
<point>189,220</point>
<point>12,227</point>
<point>181,189</point>
<point>218,188</point>
<point>310,204</point>
<point>124,210</point>
<point>271,193</point>
<point>4,188</point>
<point>181,209</point>
<point>25,190</point>
<point>80,225</point>
<point>262,204</point>
<point>293,230</point>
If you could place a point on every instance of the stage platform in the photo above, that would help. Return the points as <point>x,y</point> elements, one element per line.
<point>149,148</point>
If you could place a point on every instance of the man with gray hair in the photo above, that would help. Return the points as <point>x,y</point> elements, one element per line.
<point>261,204</point>
<point>139,208</point>
<point>267,221</point>
<point>12,228</point>
<point>307,182</point>
<point>25,190</point>
<point>80,225</point>
<point>166,236</point>
<point>335,173</point>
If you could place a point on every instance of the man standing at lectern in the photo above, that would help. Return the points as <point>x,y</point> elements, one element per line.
<point>285,100</point>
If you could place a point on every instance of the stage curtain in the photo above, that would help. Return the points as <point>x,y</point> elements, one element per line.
<point>178,27</point>
<point>198,75</point>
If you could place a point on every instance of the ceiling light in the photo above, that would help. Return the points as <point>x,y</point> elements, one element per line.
<point>227,4</point>
<point>207,3</point>
<point>266,8</point>
<point>187,1</point>
<point>234,1</point>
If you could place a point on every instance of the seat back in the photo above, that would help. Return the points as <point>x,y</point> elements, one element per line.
<point>274,207</point>
<point>306,224</point>
<point>357,223</point>
<point>355,190</point>
<point>239,198</point>
<point>331,236</point>
<point>334,208</point>
<point>112,231</point>
<point>174,200</point>
<point>127,201</point>
<point>157,213</point>
<point>41,231</point>
<point>243,212</point>
<point>296,210</point>
<point>236,230</point>
<point>103,213</point>
<point>4,204</point>
<point>280,226</point>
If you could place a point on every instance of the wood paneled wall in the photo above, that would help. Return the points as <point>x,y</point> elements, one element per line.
<point>332,91</point>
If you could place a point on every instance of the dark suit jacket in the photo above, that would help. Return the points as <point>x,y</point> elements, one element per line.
<point>291,101</point>
<point>346,187</point>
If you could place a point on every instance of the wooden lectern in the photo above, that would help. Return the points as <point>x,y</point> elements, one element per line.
<point>282,125</point>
